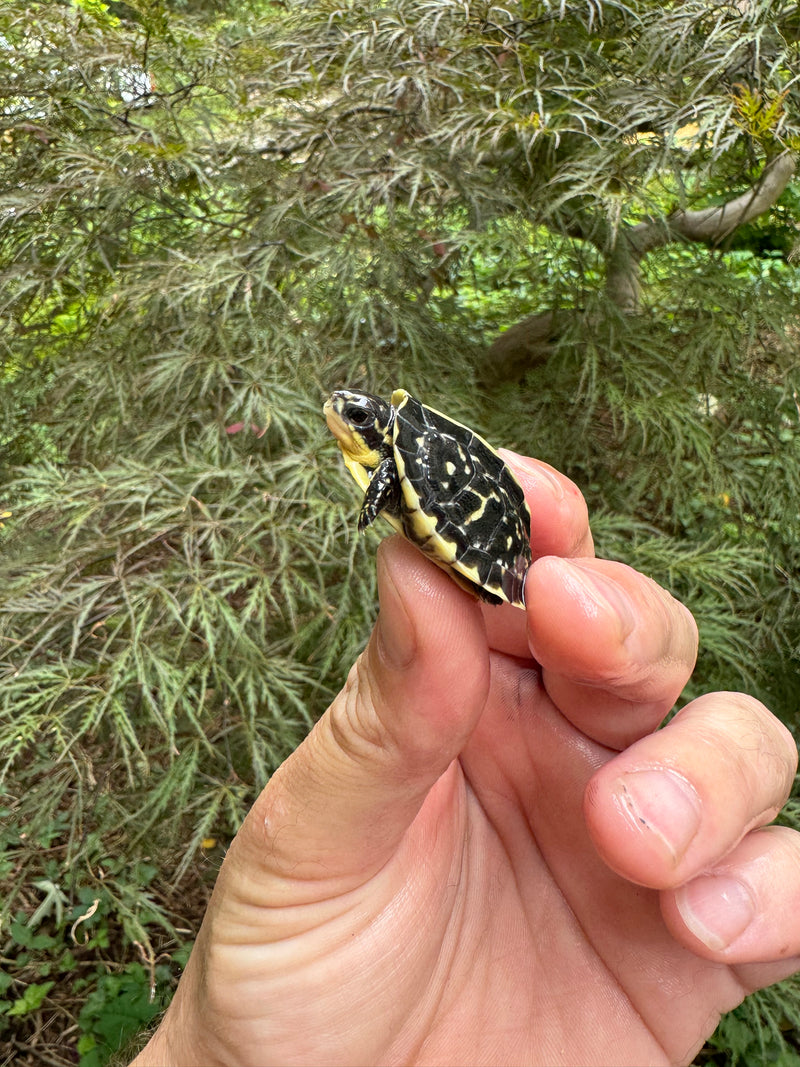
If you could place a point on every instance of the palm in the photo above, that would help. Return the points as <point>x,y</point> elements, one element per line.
<point>594,945</point>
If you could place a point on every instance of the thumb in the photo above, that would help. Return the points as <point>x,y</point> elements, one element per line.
<point>338,808</point>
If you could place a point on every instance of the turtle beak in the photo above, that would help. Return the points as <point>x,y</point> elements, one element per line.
<point>337,425</point>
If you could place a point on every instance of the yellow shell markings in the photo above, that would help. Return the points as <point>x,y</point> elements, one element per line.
<point>424,525</point>
<point>442,552</point>
<point>399,397</point>
<point>478,512</point>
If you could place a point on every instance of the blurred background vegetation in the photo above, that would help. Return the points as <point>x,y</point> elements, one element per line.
<point>574,226</point>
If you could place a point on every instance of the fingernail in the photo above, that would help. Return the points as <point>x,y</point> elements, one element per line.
<point>599,594</point>
<point>396,636</point>
<point>662,805</point>
<point>716,909</point>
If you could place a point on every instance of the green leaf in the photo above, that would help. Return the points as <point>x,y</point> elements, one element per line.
<point>32,999</point>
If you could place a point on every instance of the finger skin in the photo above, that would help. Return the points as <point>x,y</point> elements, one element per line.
<point>615,648</point>
<point>678,801</point>
<point>744,910</point>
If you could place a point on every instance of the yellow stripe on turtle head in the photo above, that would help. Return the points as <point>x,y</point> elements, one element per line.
<point>357,454</point>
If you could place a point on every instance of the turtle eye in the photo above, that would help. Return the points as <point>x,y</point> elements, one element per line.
<point>358,416</point>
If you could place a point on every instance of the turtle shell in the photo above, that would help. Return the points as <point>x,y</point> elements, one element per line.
<point>461,504</point>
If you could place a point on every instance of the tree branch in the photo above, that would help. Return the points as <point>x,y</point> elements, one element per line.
<point>529,342</point>
<point>713,224</point>
<point>521,346</point>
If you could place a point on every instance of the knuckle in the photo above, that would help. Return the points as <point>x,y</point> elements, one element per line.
<point>740,732</point>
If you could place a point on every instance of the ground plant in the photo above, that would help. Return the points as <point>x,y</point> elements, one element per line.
<point>573,226</point>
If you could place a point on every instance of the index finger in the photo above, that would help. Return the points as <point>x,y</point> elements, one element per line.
<point>615,648</point>
<point>559,527</point>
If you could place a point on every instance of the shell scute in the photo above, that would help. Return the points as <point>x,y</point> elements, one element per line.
<point>475,510</point>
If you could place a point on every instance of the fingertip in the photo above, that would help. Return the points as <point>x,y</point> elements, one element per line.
<point>676,802</point>
<point>615,648</point>
<point>743,910</point>
<point>559,514</point>
<point>713,910</point>
<point>643,821</point>
<point>577,617</point>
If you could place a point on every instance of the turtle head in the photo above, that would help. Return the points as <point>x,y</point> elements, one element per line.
<point>362,425</point>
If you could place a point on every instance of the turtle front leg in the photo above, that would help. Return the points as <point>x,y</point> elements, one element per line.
<point>383,494</point>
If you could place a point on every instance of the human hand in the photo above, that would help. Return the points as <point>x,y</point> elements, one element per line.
<point>485,851</point>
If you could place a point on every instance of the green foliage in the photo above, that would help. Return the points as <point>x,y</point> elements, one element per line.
<point>211,215</point>
<point>756,1032</point>
<point>46,956</point>
<point>115,1011</point>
